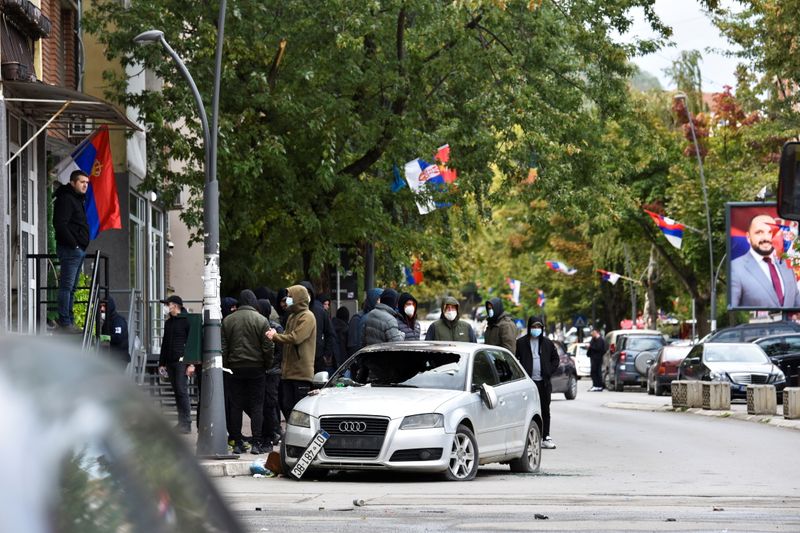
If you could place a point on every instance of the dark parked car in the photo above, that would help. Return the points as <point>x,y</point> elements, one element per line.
<point>784,351</point>
<point>751,332</point>
<point>98,456</point>
<point>627,365</point>
<point>565,378</point>
<point>664,369</point>
<point>740,364</point>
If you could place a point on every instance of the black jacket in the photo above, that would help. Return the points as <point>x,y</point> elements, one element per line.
<point>116,327</point>
<point>547,352</point>
<point>173,343</point>
<point>69,218</point>
<point>597,347</point>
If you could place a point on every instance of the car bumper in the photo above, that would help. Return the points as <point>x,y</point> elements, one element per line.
<point>397,444</point>
<point>630,375</point>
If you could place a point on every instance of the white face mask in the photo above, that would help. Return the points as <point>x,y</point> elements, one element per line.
<point>491,313</point>
<point>165,310</point>
<point>289,301</point>
<point>409,309</point>
<point>450,315</point>
<point>102,316</point>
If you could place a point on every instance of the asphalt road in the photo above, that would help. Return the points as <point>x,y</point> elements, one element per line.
<point>613,470</point>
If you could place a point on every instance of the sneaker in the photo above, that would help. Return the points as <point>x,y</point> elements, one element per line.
<point>181,428</point>
<point>69,329</point>
<point>256,449</point>
<point>596,389</point>
<point>548,444</point>
<point>238,448</point>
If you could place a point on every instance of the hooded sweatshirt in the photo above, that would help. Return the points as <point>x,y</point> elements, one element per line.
<point>408,325</point>
<point>300,338</point>
<point>381,324</point>
<point>450,330</point>
<point>69,218</point>
<point>116,327</point>
<point>501,329</point>
<point>355,333</point>
<point>244,336</point>
<point>326,336</point>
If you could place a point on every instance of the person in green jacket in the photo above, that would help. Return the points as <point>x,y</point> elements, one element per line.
<point>247,352</point>
<point>500,329</point>
<point>449,327</point>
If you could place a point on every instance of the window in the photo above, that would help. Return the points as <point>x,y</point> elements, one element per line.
<point>483,371</point>
<point>507,370</point>
<point>781,346</point>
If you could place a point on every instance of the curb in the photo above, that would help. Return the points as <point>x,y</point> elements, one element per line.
<point>770,420</point>
<point>226,468</point>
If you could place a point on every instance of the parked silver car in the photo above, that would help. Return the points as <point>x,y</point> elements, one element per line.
<point>421,406</point>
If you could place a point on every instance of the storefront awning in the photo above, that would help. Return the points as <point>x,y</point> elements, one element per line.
<point>41,102</point>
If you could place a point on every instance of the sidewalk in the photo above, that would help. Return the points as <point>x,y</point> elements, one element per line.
<point>737,411</point>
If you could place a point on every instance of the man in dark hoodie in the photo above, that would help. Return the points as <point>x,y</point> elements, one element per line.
<point>407,307</point>
<point>170,360</point>
<point>72,239</point>
<point>539,358</point>
<point>355,331</point>
<point>500,329</point>
<point>271,430</point>
<point>449,327</point>
<point>326,336</point>
<point>340,324</point>
<point>248,353</point>
<point>116,327</point>
<point>381,324</point>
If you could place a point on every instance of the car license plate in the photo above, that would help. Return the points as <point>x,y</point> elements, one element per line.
<point>310,452</point>
<point>351,442</point>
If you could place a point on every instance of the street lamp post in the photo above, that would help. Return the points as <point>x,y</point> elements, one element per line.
<point>212,433</point>
<point>682,96</point>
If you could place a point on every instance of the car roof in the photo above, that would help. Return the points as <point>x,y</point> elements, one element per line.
<point>427,346</point>
<point>726,344</point>
<point>777,337</point>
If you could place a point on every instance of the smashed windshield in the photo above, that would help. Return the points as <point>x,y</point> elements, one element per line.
<point>398,368</point>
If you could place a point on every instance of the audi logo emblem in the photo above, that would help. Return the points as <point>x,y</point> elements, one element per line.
<point>352,427</point>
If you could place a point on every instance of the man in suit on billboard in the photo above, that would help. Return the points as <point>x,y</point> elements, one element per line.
<point>760,278</point>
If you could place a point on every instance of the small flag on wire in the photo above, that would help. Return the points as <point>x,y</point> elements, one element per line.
<point>541,299</point>
<point>672,230</point>
<point>560,267</point>
<point>610,277</point>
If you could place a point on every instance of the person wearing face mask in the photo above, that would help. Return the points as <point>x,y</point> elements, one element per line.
<point>408,324</point>
<point>539,358</point>
<point>116,327</point>
<point>170,360</point>
<point>299,348</point>
<point>500,329</point>
<point>449,327</point>
<point>381,324</point>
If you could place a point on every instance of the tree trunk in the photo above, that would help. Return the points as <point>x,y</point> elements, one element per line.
<point>650,308</point>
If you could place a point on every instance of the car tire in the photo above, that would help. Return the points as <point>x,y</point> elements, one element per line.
<point>284,467</point>
<point>618,385</point>
<point>649,388</point>
<point>658,389</point>
<point>531,459</point>
<point>572,388</point>
<point>464,458</point>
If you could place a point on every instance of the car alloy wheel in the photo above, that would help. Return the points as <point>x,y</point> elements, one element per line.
<point>463,456</point>
<point>531,458</point>
<point>572,389</point>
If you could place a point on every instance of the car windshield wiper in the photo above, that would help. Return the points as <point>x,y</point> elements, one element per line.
<point>400,385</point>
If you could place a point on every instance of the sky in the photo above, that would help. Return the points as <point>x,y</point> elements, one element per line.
<point>692,30</point>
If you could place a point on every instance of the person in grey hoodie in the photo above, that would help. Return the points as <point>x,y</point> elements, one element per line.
<point>500,329</point>
<point>355,331</point>
<point>381,324</point>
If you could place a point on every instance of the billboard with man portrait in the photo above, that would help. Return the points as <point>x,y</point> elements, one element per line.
<point>763,264</point>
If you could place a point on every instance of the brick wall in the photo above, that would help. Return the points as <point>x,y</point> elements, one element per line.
<point>53,45</point>
<point>70,45</point>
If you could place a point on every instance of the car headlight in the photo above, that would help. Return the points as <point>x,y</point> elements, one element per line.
<point>430,420</point>
<point>300,419</point>
<point>779,377</point>
<point>719,376</point>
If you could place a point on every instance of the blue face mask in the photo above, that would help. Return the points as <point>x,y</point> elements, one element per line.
<point>536,332</point>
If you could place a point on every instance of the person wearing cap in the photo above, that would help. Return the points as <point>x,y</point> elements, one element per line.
<point>381,324</point>
<point>170,360</point>
<point>449,327</point>
<point>500,329</point>
<point>539,358</point>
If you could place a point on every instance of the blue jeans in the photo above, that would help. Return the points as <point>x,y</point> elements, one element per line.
<point>71,261</point>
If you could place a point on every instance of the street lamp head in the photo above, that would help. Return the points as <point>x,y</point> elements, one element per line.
<point>149,36</point>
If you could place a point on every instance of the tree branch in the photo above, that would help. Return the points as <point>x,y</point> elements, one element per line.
<point>471,25</point>
<point>496,38</point>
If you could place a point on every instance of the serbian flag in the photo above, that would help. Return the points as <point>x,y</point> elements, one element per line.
<point>610,277</point>
<point>93,156</point>
<point>540,298</point>
<point>515,285</point>
<point>414,274</point>
<point>443,157</point>
<point>560,267</point>
<point>672,230</point>
<point>419,175</point>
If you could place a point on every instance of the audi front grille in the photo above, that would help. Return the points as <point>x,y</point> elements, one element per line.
<point>354,437</point>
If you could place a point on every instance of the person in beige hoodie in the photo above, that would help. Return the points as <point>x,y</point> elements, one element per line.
<point>300,347</point>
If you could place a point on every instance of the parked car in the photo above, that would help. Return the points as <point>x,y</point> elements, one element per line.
<point>664,369</point>
<point>740,364</point>
<point>627,365</point>
<point>579,352</point>
<point>565,379</point>
<point>611,336</point>
<point>90,452</point>
<point>784,351</point>
<point>751,332</point>
<point>440,407</point>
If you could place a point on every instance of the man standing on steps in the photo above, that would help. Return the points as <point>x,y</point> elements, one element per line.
<point>170,361</point>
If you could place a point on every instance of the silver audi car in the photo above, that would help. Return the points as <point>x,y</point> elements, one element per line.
<point>418,406</point>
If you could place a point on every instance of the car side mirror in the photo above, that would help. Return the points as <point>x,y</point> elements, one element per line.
<point>488,395</point>
<point>319,379</point>
<point>694,360</point>
<point>789,182</point>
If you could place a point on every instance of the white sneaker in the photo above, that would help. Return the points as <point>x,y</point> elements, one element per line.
<point>548,444</point>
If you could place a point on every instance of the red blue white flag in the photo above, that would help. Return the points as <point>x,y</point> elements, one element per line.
<point>672,230</point>
<point>541,299</point>
<point>515,285</point>
<point>560,267</point>
<point>610,277</point>
<point>421,175</point>
<point>93,156</point>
